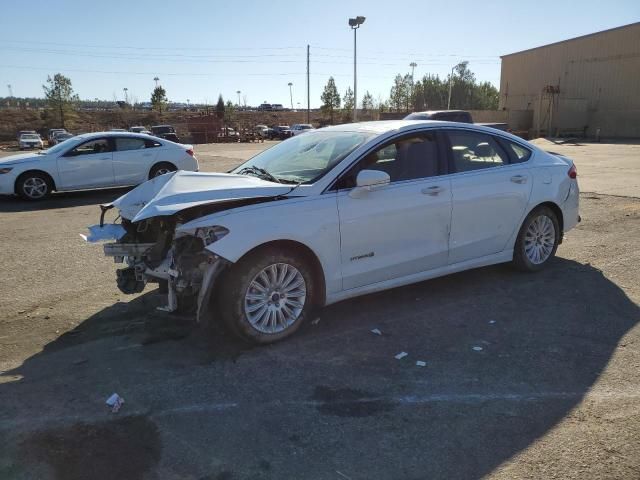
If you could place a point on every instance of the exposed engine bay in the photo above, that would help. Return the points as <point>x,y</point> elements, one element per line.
<point>180,263</point>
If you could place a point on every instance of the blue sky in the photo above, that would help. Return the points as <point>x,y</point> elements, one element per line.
<point>201,48</point>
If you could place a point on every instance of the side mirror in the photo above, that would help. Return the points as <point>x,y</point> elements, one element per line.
<point>368,180</point>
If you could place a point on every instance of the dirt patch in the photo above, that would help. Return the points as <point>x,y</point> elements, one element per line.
<point>126,448</point>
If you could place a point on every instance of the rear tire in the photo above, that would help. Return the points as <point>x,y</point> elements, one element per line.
<point>267,295</point>
<point>537,240</point>
<point>34,186</point>
<point>161,168</point>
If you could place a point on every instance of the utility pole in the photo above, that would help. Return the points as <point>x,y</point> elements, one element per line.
<point>291,94</point>
<point>238,92</point>
<point>450,83</point>
<point>10,91</point>
<point>412,65</point>
<point>355,23</point>
<point>126,95</point>
<point>156,79</point>
<point>308,89</point>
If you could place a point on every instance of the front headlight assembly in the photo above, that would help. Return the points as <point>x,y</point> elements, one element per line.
<point>211,234</point>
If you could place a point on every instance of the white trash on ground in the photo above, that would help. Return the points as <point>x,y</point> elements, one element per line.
<point>115,401</point>
<point>376,331</point>
<point>477,349</point>
<point>421,363</point>
<point>401,355</point>
<point>316,321</point>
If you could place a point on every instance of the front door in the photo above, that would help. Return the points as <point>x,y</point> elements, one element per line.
<point>490,194</point>
<point>401,228</point>
<point>89,164</point>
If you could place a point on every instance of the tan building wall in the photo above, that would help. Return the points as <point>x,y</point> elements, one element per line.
<point>597,78</point>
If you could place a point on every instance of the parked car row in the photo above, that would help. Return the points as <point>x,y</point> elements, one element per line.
<point>282,132</point>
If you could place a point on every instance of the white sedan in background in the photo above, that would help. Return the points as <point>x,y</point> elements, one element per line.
<point>340,212</point>
<point>94,160</point>
<point>30,140</point>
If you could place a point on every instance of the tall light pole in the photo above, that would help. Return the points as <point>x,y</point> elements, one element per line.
<point>126,95</point>
<point>450,83</point>
<point>355,23</point>
<point>291,94</point>
<point>156,79</point>
<point>412,65</point>
<point>238,92</point>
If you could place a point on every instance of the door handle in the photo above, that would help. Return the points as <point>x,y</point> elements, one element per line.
<point>105,158</point>
<point>146,154</point>
<point>519,179</point>
<point>435,190</point>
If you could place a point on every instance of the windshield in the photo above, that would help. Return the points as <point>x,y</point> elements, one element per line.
<point>304,158</point>
<point>30,136</point>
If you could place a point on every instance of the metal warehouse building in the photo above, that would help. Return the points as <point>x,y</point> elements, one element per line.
<point>586,85</point>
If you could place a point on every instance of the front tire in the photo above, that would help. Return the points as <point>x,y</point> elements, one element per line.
<point>33,186</point>
<point>537,240</point>
<point>267,295</point>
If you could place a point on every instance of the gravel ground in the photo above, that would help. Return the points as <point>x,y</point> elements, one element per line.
<point>554,391</point>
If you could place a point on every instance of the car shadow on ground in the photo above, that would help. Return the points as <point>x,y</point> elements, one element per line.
<point>508,355</point>
<point>12,204</point>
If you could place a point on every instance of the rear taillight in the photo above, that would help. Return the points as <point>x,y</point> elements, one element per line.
<point>573,172</point>
<point>190,152</point>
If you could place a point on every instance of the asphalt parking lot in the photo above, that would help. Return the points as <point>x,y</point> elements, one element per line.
<point>554,391</point>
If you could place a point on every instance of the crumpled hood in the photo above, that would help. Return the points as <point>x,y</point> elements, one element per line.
<point>172,192</point>
<point>21,158</point>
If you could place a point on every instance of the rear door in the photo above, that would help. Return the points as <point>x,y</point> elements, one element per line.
<point>133,158</point>
<point>491,191</point>
<point>401,228</point>
<point>89,164</point>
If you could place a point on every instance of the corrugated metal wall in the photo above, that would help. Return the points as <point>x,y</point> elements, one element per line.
<point>598,77</point>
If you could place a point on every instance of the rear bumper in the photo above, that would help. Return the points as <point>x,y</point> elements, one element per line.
<point>571,207</point>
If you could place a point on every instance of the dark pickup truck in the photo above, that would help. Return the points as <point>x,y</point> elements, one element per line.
<point>165,131</point>
<point>460,116</point>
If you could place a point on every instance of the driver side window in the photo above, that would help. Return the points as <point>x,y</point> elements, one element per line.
<point>100,145</point>
<point>407,158</point>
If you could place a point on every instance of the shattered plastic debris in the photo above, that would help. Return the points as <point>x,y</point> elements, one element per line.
<point>316,321</point>
<point>109,231</point>
<point>420,363</point>
<point>491,322</point>
<point>401,355</point>
<point>115,401</point>
<point>376,331</point>
<point>477,349</point>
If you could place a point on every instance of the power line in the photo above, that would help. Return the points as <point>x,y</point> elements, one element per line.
<point>130,47</point>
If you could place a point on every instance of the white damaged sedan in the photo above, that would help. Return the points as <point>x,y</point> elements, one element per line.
<point>92,160</point>
<point>340,212</point>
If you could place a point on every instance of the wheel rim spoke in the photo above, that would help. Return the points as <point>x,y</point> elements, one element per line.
<point>275,298</point>
<point>539,239</point>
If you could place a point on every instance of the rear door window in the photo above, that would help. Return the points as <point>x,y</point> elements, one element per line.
<point>129,143</point>
<point>475,151</point>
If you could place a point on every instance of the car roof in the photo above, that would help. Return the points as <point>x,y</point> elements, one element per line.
<point>115,134</point>
<point>387,126</point>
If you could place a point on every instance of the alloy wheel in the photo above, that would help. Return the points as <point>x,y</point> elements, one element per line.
<point>539,239</point>
<point>275,298</point>
<point>35,187</point>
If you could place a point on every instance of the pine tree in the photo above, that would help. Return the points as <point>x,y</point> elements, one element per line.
<point>330,98</point>
<point>60,96</point>
<point>158,98</point>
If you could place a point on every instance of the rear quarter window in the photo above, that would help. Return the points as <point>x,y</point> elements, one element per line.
<point>517,153</point>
